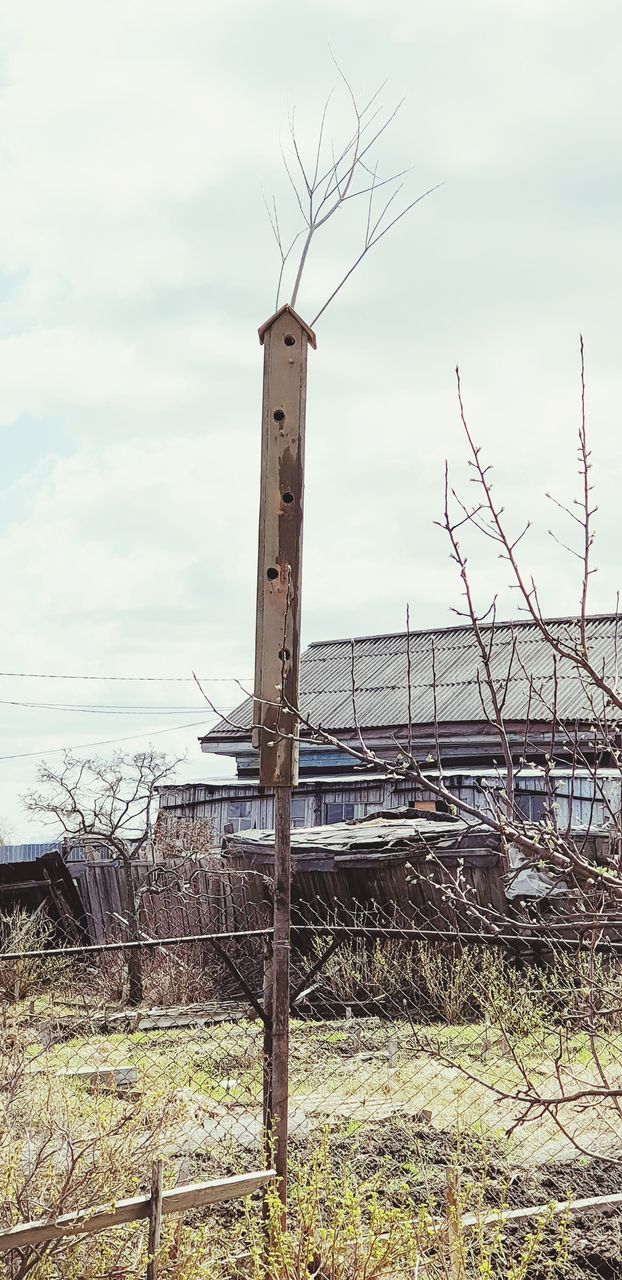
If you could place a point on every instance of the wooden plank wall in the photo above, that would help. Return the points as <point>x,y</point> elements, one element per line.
<point>203,899</point>
<point>414,893</point>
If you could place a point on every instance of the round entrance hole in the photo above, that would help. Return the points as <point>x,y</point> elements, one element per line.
<point>272,574</point>
<point>278,415</point>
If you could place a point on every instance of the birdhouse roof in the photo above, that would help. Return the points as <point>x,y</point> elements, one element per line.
<point>287,310</point>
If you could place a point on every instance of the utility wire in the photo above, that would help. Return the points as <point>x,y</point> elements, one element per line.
<point>57,675</point>
<point>112,709</point>
<point>103,742</point>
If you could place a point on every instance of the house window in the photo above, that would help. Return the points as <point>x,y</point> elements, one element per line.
<point>240,815</point>
<point>341,811</point>
<point>533,806</point>
<point>299,811</point>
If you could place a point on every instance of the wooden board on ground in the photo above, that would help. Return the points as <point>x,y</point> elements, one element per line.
<point>189,1015</point>
<point>104,1079</point>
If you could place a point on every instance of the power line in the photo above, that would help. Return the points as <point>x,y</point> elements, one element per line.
<point>57,675</point>
<point>112,709</point>
<point>103,742</point>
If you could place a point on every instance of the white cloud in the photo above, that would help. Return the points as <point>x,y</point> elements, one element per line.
<point>136,265</point>
<point>122,379</point>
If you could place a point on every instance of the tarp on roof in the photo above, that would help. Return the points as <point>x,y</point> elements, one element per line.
<point>371,839</point>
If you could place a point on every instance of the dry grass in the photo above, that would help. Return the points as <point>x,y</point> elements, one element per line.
<point>196,1098</point>
<point>27,931</point>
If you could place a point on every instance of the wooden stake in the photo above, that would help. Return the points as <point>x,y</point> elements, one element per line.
<point>285,338</point>
<point>155,1221</point>
<point>457,1269</point>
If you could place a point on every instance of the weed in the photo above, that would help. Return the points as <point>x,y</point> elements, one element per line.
<point>27,931</point>
<point>343,1229</point>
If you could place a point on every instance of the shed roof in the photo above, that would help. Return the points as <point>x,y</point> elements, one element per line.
<point>375,839</point>
<point>445,680</point>
<point>364,835</point>
<point>26,852</point>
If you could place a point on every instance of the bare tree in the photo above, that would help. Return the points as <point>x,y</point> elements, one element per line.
<point>569,653</point>
<point>335,174</point>
<point>107,803</point>
<point>591,876</point>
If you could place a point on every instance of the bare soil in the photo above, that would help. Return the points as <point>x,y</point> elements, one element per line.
<point>399,1150</point>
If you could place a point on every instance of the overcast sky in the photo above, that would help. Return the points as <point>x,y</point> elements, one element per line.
<point>136,263</point>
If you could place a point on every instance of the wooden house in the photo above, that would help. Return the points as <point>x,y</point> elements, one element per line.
<point>417,691</point>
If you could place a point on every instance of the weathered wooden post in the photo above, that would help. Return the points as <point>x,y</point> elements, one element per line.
<point>285,338</point>
<point>154,1238</point>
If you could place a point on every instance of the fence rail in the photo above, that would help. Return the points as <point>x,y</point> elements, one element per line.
<point>92,1221</point>
<point>414,1048</point>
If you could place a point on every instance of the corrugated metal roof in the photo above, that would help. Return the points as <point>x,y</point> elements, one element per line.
<point>520,655</point>
<point>26,852</point>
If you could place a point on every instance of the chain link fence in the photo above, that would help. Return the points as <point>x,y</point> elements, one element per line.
<point>94,1087</point>
<point>487,1045</point>
<point>481,1034</point>
<point>417,1047</point>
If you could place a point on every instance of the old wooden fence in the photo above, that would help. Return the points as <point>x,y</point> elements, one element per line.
<point>173,901</point>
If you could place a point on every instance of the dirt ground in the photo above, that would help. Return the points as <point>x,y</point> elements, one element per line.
<point>398,1149</point>
<point>367,1087</point>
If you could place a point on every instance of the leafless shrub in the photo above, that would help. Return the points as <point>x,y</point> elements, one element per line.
<point>25,931</point>
<point>107,979</point>
<point>177,837</point>
<point>181,975</point>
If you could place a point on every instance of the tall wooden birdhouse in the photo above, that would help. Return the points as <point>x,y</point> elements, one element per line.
<point>285,338</point>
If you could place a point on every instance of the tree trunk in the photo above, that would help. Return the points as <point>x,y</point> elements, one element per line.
<point>133,954</point>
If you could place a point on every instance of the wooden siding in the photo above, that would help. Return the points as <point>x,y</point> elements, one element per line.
<point>213,802</point>
<point>204,898</point>
<point>407,891</point>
